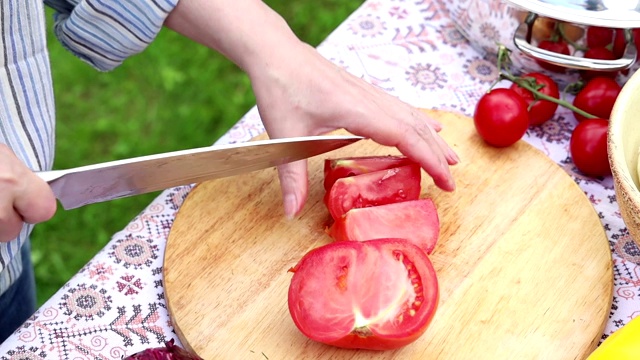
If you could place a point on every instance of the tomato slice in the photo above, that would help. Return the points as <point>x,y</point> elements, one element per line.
<point>372,189</point>
<point>377,295</point>
<point>415,220</point>
<point>335,169</point>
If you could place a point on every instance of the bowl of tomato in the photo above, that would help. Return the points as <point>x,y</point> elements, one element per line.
<point>560,38</point>
<point>623,142</point>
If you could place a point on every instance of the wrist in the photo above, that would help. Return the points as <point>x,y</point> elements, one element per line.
<point>247,32</point>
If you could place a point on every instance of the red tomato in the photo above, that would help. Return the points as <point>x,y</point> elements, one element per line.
<point>636,40</point>
<point>589,147</point>
<point>416,220</point>
<point>377,295</point>
<point>597,97</point>
<point>599,36</point>
<point>559,47</point>
<point>619,44</point>
<point>539,110</point>
<point>601,54</point>
<point>375,188</point>
<point>501,117</point>
<point>335,169</point>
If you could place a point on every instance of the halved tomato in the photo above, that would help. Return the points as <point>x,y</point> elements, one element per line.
<point>335,169</point>
<point>375,188</point>
<point>377,295</point>
<point>415,220</point>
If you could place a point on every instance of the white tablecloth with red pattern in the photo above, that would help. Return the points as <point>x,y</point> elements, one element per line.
<point>115,305</point>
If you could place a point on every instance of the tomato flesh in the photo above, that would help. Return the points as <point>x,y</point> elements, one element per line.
<point>375,188</point>
<point>416,220</point>
<point>377,295</point>
<point>335,169</point>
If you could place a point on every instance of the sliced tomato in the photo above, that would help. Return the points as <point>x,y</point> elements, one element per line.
<point>415,220</point>
<point>374,188</point>
<point>377,295</point>
<point>335,169</point>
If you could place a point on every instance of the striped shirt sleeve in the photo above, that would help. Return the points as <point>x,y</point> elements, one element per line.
<point>106,32</point>
<point>26,105</point>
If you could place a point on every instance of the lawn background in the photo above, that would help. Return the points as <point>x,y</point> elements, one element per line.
<point>175,95</point>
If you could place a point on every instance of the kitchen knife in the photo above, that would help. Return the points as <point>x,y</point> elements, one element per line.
<point>116,179</point>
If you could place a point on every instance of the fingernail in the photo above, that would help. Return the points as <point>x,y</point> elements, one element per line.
<point>455,156</point>
<point>290,206</point>
<point>451,183</point>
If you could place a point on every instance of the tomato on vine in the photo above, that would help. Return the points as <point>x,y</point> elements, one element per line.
<point>588,147</point>
<point>501,117</point>
<point>599,53</point>
<point>597,97</point>
<point>559,47</point>
<point>619,44</point>
<point>539,110</point>
<point>599,36</point>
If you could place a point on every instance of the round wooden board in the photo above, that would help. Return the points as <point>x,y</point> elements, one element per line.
<point>523,263</point>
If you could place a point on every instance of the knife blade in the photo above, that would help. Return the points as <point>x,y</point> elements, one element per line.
<point>90,184</point>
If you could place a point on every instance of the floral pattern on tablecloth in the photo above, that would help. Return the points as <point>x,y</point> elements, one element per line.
<point>115,305</point>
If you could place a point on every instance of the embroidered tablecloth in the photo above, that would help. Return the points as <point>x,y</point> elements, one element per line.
<point>114,306</point>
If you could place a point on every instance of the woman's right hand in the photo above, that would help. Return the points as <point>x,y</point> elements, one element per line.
<point>24,197</point>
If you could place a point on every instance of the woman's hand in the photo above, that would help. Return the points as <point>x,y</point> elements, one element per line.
<point>24,197</point>
<point>300,93</point>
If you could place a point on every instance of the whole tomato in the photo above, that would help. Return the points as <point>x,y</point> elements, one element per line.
<point>619,44</point>
<point>599,36</point>
<point>559,47</point>
<point>599,53</point>
<point>636,40</point>
<point>619,47</point>
<point>589,147</point>
<point>597,97</point>
<point>501,117</point>
<point>539,110</point>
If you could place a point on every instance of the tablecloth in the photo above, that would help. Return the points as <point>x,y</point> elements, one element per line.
<point>114,306</point>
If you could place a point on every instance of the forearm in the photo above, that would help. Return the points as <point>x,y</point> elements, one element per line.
<point>247,32</point>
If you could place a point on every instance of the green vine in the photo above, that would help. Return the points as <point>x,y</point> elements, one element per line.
<point>529,83</point>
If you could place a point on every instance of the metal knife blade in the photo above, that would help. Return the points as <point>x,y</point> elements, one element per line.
<point>116,179</point>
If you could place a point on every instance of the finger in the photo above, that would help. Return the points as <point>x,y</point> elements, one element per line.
<point>433,123</point>
<point>450,155</point>
<point>441,157</point>
<point>10,223</point>
<point>432,161</point>
<point>294,186</point>
<point>34,201</point>
<point>416,141</point>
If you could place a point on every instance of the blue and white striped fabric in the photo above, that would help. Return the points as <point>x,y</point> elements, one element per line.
<point>101,32</point>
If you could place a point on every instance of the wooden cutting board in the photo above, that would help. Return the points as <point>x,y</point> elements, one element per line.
<point>523,262</point>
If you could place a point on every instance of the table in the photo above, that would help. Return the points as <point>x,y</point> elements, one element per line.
<point>114,306</point>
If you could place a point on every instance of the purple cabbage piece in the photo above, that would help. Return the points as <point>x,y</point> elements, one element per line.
<point>170,351</point>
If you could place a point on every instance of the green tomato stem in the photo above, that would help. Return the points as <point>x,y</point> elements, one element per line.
<point>524,83</point>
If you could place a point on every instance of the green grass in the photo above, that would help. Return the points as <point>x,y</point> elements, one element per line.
<point>175,95</point>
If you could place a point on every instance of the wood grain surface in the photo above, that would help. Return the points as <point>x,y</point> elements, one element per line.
<point>523,263</point>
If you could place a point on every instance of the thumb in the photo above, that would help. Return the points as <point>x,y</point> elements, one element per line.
<point>294,186</point>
